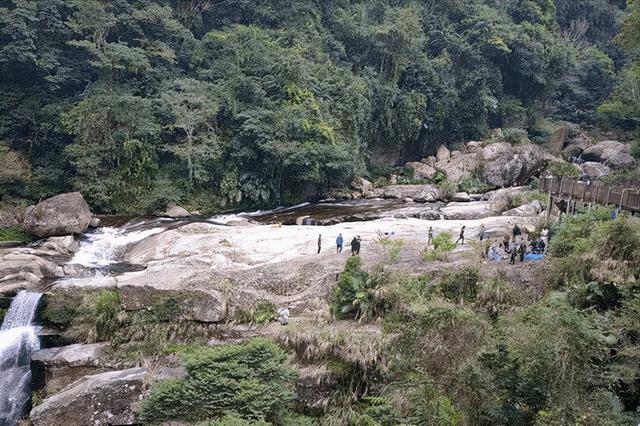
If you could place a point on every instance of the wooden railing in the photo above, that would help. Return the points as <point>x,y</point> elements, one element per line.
<point>592,192</point>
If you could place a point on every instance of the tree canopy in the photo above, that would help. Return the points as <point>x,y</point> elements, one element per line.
<point>253,103</point>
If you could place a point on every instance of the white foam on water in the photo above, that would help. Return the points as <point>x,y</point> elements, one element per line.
<point>104,246</point>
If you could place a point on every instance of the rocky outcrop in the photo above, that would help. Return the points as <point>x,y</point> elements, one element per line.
<point>26,267</point>
<point>461,197</point>
<point>612,153</point>
<point>443,153</point>
<point>175,212</point>
<point>422,170</point>
<point>504,165</point>
<point>362,185</point>
<point>58,367</point>
<point>528,210</point>
<point>461,165</point>
<point>63,214</point>
<point>595,170</point>
<point>107,398</point>
<point>423,193</point>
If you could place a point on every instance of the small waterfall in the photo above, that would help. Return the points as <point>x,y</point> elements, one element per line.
<point>21,311</point>
<point>105,246</point>
<point>17,340</point>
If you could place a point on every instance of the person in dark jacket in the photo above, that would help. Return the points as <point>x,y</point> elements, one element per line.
<point>461,237</point>
<point>516,231</point>
<point>339,243</point>
<point>355,246</point>
<point>319,242</point>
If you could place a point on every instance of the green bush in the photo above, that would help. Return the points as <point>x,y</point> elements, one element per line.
<point>250,381</point>
<point>562,168</point>
<point>473,184</point>
<point>355,295</point>
<point>460,285</point>
<point>260,314</point>
<point>442,245</point>
<point>515,136</point>
<point>447,188</point>
<point>97,319</point>
<point>15,233</point>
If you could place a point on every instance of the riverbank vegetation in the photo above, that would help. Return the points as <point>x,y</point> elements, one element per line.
<point>215,104</point>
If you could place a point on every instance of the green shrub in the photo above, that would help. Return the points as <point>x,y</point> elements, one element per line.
<point>439,177</point>
<point>250,381</point>
<point>473,184</point>
<point>97,318</point>
<point>391,247</point>
<point>356,294</point>
<point>442,245</point>
<point>562,168</point>
<point>260,314</point>
<point>460,285</point>
<point>447,188</point>
<point>515,136</point>
<point>15,233</point>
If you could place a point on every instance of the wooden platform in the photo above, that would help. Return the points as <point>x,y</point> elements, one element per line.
<point>595,192</point>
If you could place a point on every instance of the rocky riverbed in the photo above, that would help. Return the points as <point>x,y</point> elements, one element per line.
<point>216,268</point>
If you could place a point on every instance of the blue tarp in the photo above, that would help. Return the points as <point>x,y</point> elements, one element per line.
<point>532,256</point>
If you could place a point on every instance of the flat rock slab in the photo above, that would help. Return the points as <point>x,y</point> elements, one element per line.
<point>71,355</point>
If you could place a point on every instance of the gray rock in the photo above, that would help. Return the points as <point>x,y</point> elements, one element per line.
<point>428,194</point>
<point>63,214</point>
<point>362,185</point>
<point>460,166</point>
<point>461,197</point>
<point>8,219</point>
<point>504,165</point>
<point>94,222</point>
<point>528,210</point>
<point>612,153</point>
<point>422,170</point>
<point>175,212</point>
<point>443,153</point>
<point>406,191</point>
<point>71,355</point>
<point>595,170</point>
<point>106,398</point>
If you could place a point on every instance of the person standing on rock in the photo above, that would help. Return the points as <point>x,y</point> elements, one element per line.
<point>513,250</point>
<point>429,236</point>
<point>319,243</point>
<point>482,231</point>
<point>461,237</point>
<point>339,243</point>
<point>355,246</point>
<point>516,232</point>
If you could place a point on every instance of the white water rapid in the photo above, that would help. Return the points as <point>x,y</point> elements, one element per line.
<point>17,340</point>
<point>104,246</point>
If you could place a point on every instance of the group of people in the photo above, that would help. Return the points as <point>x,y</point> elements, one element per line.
<point>515,247</point>
<point>355,244</point>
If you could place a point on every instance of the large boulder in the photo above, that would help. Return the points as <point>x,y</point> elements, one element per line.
<point>405,191</point>
<point>422,170</point>
<point>504,165</point>
<point>428,194</point>
<point>61,366</point>
<point>63,214</point>
<point>531,209</point>
<point>362,185</point>
<point>612,153</point>
<point>175,212</point>
<point>460,166</point>
<point>107,398</point>
<point>595,170</point>
<point>443,153</point>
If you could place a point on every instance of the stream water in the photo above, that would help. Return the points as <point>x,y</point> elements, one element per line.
<point>17,340</point>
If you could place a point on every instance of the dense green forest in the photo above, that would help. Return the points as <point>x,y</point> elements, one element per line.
<point>224,103</point>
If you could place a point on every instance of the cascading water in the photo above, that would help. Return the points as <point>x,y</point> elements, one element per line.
<point>104,246</point>
<point>17,340</point>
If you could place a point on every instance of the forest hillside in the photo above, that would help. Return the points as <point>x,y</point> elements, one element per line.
<point>217,104</point>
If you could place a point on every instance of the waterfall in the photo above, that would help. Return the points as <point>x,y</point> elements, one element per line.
<point>17,340</point>
<point>104,246</point>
